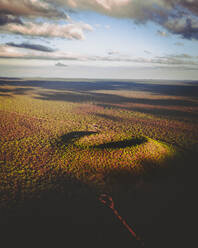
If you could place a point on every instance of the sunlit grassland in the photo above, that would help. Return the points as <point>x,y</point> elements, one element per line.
<point>53,129</point>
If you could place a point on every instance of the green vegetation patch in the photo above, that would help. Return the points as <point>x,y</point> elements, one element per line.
<point>90,155</point>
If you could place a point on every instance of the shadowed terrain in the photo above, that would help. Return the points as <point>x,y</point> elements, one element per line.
<point>64,142</point>
<point>172,88</point>
<point>161,209</point>
<point>179,94</point>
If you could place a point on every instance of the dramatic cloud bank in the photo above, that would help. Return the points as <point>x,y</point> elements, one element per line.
<point>13,12</point>
<point>115,40</point>
<point>179,17</point>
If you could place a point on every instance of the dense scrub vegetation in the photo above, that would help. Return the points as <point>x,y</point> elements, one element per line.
<point>62,140</point>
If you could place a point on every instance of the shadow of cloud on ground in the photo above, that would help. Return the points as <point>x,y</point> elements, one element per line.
<point>5,95</point>
<point>83,96</point>
<point>16,91</point>
<point>160,112</point>
<point>122,144</point>
<point>65,96</point>
<point>109,117</point>
<point>81,92</point>
<point>173,88</point>
<point>152,106</point>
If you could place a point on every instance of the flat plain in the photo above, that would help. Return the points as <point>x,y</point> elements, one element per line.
<point>65,142</point>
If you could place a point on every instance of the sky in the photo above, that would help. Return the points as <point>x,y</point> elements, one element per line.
<point>108,39</point>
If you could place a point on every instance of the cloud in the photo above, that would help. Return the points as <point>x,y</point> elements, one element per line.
<point>191,5</point>
<point>97,25</point>
<point>179,44</point>
<point>107,26</point>
<point>97,5</point>
<point>31,46</point>
<point>187,27</point>
<point>68,31</point>
<point>183,56</point>
<point>5,19</point>
<point>9,52</point>
<point>136,9</point>
<point>16,52</point>
<point>176,67</point>
<point>113,52</point>
<point>147,52</point>
<point>179,17</point>
<point>139,10</point>
<point>60,64</point>
<point>30,8</point>
<point>179,59</point>
<point>162,33</point>
<point>18,17</point>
